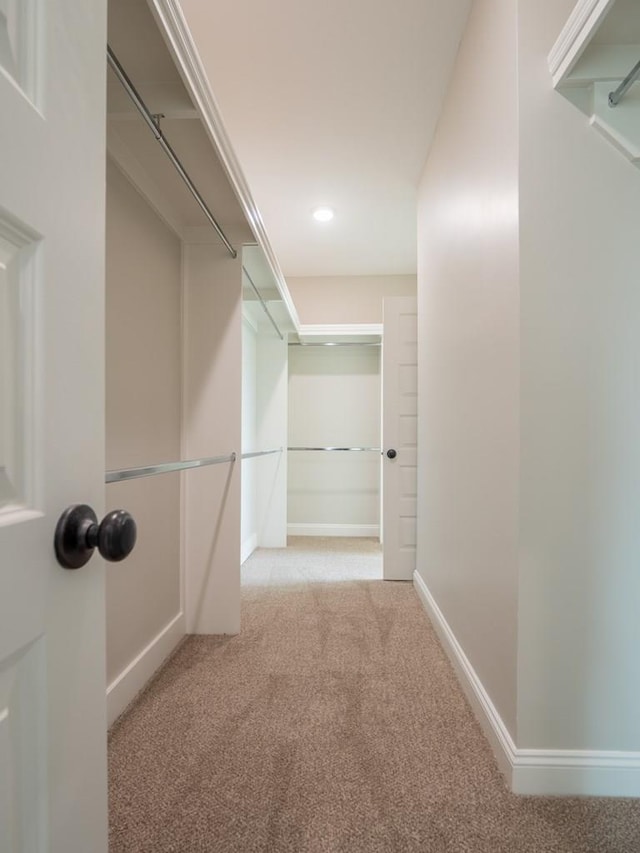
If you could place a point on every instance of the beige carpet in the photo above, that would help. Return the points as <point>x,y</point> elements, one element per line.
<point>332,723</point>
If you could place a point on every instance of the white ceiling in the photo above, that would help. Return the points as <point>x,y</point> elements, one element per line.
<point>332,103</point>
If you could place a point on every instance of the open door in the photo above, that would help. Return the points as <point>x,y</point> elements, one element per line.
<point>399,437</point>
<point>52,668</point>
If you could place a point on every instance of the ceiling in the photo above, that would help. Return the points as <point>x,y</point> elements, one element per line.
<point>331,103</point>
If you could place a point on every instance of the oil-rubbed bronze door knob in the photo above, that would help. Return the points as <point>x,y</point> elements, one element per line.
<point>78,534</point>
<point>391,453</point>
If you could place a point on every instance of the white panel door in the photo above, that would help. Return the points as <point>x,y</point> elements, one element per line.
<point>399,436</point>
<point>52,668</point>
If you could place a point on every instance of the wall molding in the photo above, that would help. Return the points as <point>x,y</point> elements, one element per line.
<point>126,686</point>
<point>534,771</point>
<point>172,23</point>
<point>359,530</point>
<point>575,36</point>
<point>322,330</point>
<point>490,720</point>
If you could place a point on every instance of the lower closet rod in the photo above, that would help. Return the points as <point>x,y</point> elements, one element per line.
<point>340,449</point>
<point>260,453</point>
<point>165,468</point>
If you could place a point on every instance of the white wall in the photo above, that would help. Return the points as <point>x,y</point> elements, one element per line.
<point>264,428</point>
<point>468,439</point>
<point>579,645</point>
<point>528,303</point>
<point>334,400</point>
<point>272,432</point>
<point>143,382</point>
<point>346,299</point>
<point>249,509</point>
<point>212,427</point>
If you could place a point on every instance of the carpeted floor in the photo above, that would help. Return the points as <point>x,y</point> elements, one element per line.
<point>332,724</point>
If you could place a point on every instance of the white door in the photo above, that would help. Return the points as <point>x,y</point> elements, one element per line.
<point>399,437</point>
<point>52,668</point>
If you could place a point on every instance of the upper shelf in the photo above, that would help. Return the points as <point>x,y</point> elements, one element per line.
<point>154,51</point>
<point>596,50</point>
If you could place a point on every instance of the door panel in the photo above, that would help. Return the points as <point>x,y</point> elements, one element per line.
<point>52,679</point>
<point>399,396</point>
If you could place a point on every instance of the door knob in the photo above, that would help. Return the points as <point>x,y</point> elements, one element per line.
<point>391,453</point>
<point>78,534</point>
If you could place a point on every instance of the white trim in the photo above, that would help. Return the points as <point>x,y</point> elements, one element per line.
<point>173,25</point>
<point>549,772</point>
<point>248,547</point>
<point>133,170</point>
<point>322,330</point>
<point>360,530</point>
<point>133,678</point>
<point>575,36</point>
<point>621,143</point>
<point>485,711</point>
<point>248,319</point>
<point>566,772</point>
<point>616,126</point>
<point>184,420</point>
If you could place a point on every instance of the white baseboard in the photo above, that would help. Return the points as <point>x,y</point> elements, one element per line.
<point>133,678</point>
<point>485,711</point>
<point>248,547</point>
<point>567,772</point>
<point>360,530</point>
<point>546,772</point>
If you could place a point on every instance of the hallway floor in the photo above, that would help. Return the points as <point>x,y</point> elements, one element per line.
<point>333,723</point>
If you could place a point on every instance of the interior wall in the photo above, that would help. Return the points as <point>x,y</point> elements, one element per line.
<point>249,472</point>
<point>346,299</point>
<point>264,428</point>
<point>579,649</point>
<point>212,427</point>
<point>143,409</point>
<point>334,401</point>
<point>468,361</point>
<point>272,433</point>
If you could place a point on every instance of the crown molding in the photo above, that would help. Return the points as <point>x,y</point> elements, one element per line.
<point>331,330</point>
<point>575,36</point>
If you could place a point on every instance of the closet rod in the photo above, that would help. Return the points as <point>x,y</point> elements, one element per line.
<point>263,303</point>
<point>154,127</point>
<point>620,92</point>
<point>335,344</point>
<point>260,453</point>
<point>340,449</point>
<point>165,468</point>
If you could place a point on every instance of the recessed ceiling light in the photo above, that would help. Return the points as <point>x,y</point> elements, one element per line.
<point>323,214</point>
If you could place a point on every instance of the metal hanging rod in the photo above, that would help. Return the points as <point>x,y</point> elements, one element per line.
<point>620,92</point>
<point>263,303</point>
<point>340,449</point>
<point>165,468</point>
<point>154,126</point>
<point>260,453</point>
<point>335,344</point>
